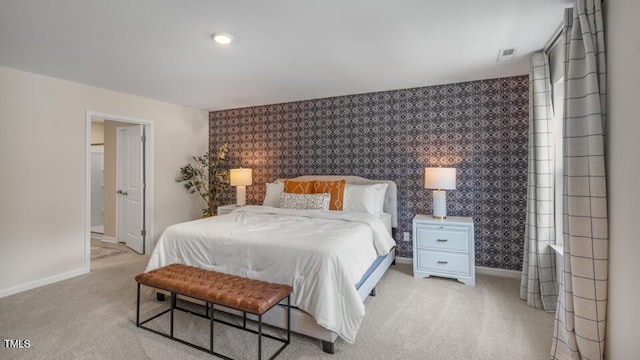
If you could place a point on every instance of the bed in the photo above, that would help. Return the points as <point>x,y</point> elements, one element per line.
<point>332,259</point>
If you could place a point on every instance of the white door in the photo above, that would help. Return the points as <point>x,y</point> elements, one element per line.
<point>130,187</point>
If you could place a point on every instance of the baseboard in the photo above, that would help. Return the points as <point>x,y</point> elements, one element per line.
<point>479,269</point>
<point>41,282</point>
<point>109,239</point>
<point>103,237</point>
<point>498,272</point>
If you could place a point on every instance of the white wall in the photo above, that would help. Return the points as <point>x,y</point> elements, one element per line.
<point>623,57</point>
<point>42,170</point>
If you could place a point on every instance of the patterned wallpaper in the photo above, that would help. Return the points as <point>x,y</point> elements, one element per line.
<point>479,127</point>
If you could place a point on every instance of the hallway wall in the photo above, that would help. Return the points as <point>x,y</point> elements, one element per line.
<point>42,217</point>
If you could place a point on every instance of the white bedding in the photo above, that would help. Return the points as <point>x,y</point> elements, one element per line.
<point>321,254</point>
<point>386,220</point>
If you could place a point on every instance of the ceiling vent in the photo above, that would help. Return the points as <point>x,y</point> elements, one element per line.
<point>506,54</point>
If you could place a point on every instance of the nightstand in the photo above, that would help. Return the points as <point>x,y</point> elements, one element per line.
<point>226,209</point>
<point>444,248</point>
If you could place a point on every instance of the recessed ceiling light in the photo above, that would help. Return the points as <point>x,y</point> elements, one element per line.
<point>222,38</point>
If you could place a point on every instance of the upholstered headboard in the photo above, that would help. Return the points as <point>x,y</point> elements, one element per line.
<point>390,200</point>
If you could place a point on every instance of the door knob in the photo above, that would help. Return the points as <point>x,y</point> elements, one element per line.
<point>119,192</point>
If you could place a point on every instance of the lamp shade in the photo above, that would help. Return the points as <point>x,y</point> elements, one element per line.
<point>241,177</point>
<point>440,178</point>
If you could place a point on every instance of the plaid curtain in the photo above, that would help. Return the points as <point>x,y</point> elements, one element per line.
<point>582,307</point>
<point>538,282</point>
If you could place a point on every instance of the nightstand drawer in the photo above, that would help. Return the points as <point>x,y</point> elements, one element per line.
<point>431,237</point>
<point>443,262</point>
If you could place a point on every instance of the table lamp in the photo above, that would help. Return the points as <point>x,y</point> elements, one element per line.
<point>241,178</point>
<point>440,179</point>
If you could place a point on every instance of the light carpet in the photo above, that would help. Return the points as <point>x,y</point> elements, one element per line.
<point>93,317</point>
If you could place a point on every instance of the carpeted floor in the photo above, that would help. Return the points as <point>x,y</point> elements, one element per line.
<point>93,317</point>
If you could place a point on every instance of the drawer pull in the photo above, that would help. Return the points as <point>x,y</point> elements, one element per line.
<point>442,262</point>
<point>441,240</point>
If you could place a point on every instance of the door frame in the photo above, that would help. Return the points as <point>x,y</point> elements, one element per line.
<point>149,177</point>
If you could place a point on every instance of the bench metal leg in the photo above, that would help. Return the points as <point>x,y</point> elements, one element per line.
<point>211,328</point>
<point>173,306</point>
<point>259,337</point>
<point>138,307</point>
<point>244,319</point>
<point>288,319</point>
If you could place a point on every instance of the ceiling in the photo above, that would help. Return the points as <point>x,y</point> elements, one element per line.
<point>284,50</point>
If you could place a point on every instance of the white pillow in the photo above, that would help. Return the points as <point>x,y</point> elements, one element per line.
<point>365,198</point>
<point>272,195</point>
<point>305,201</point>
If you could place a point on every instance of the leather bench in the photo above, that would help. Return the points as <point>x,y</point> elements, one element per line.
<point>215,288</point>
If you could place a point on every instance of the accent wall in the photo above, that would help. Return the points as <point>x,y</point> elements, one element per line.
<point>478,127</point>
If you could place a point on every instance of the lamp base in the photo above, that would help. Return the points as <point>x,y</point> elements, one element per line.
<point>439,204</point>
<point>241,195</point>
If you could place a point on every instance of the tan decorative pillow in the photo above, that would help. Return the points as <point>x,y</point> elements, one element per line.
<point>335,188</point>
<point>298,187</point>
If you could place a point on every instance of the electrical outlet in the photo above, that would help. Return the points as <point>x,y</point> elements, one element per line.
<point>407,237</point>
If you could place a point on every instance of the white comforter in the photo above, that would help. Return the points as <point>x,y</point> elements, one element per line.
<point>321,254</point>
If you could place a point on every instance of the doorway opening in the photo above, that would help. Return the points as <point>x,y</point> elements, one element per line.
<point>119,183</point>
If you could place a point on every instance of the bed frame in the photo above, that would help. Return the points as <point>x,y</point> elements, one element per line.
<point>301,321</point>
